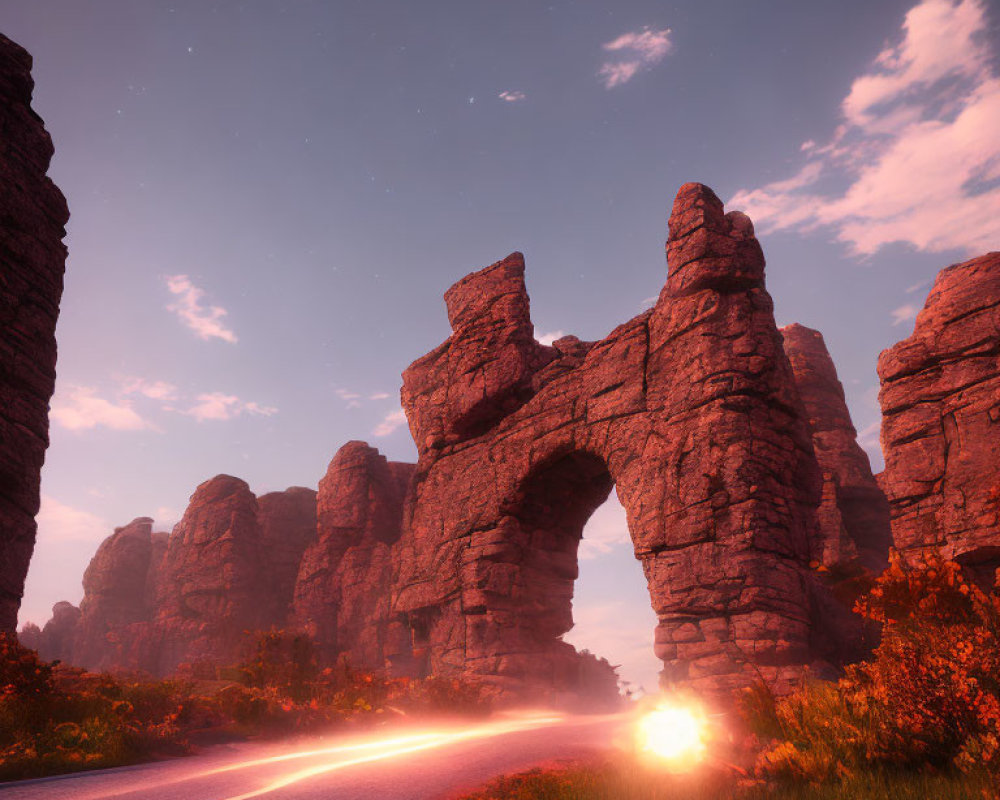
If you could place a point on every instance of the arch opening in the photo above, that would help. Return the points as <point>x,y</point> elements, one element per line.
<point>553,509</point>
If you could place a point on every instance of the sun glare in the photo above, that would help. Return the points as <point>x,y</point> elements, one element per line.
<point>675,733</point>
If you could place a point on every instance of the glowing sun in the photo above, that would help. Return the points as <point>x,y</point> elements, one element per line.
<point>674,733</point>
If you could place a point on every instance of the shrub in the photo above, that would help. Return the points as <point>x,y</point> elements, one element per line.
<point>929,696</point>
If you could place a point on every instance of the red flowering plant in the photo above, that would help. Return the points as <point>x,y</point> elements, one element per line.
<point>929,696</point>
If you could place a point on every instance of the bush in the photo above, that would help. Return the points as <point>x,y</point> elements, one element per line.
<point>929,696</point>
<point>57,719</point>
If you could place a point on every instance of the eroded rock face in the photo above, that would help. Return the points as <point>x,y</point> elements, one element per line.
<point>940,399</point>
<point>33,214</point>
<point>209,587</point>
<point>287,527</point>
<point>153,601</point>
<point>690,409</point>
<point>854,513</point>
<point>116,595</point>
<point>54,641</point>
<point>343,589</point>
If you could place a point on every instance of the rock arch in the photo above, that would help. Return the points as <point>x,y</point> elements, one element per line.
<point>692,406</point>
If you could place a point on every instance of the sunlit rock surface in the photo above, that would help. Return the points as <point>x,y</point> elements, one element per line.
<point>940,399</point>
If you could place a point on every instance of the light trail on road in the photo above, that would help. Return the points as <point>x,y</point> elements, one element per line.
<point>416,760</point>
<point>385,749</point>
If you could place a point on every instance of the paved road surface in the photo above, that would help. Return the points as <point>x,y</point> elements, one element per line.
<point>405,764</point>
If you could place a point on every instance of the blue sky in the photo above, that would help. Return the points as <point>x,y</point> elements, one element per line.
<point>269,199</point>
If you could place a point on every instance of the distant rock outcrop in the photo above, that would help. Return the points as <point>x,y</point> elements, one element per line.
<point>116,596</point>
<point>287,527</point>
<point>853,512</point>
<point>940,401</point>
<point>342,593</point>
<point>54,642</point>
<point>212,584</point>
<point>33,214</point>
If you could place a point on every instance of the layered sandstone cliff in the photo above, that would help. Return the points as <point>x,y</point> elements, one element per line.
<point>853,513</point>
<point>33,214</point>
<point>940,399</point>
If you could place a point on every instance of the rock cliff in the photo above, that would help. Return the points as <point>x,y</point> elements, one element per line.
<point>33,214</point>
<point>853,512</point>
<point>940,397</point>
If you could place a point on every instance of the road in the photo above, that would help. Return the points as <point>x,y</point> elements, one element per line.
<point>402,764</point>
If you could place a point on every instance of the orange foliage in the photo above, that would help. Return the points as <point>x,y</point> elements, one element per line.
<point>929,695</point>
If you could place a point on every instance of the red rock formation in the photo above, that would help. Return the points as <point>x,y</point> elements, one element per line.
<point>464,563</point>
<point>690,409</point>
<point>287,527</point>
<point>54,641</point>
<point>212,581</point>
<point>153,601</point>
<point>853,513</point>
<point>32,261</point>
<point>115,597</point>
<point>940,401</point>
<point>342,591</point>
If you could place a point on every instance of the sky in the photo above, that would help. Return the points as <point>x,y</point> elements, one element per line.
<point>269,200</point>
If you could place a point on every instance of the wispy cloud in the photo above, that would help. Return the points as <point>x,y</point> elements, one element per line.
<point>635,50</point>
<point>392,421</point>
<point>512,96</point>
<point>205,321</point>
<point>379,396</point>
<point>219,406</point>
<point>903,314</point>
<point>550,337</point>
<point>353,399</point>
<point>868,437</point>
<point>916,145</point>
<point>154,390</point>
<point>606,528</point>
<point>79,408</point>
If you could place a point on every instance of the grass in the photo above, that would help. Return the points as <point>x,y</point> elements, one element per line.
<point>621,778</point>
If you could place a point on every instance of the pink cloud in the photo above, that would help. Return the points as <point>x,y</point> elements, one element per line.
<point>80,408</point>
<point>205,321</point>
<point>512,96</point>
<point>218,406</point>
<point>353,399</point>
<point>636,50</point>
<point>903,314</point>
<point>549,338</point>
<point>917,144</point>
<point>154,390</point>
<point>392,421</point>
